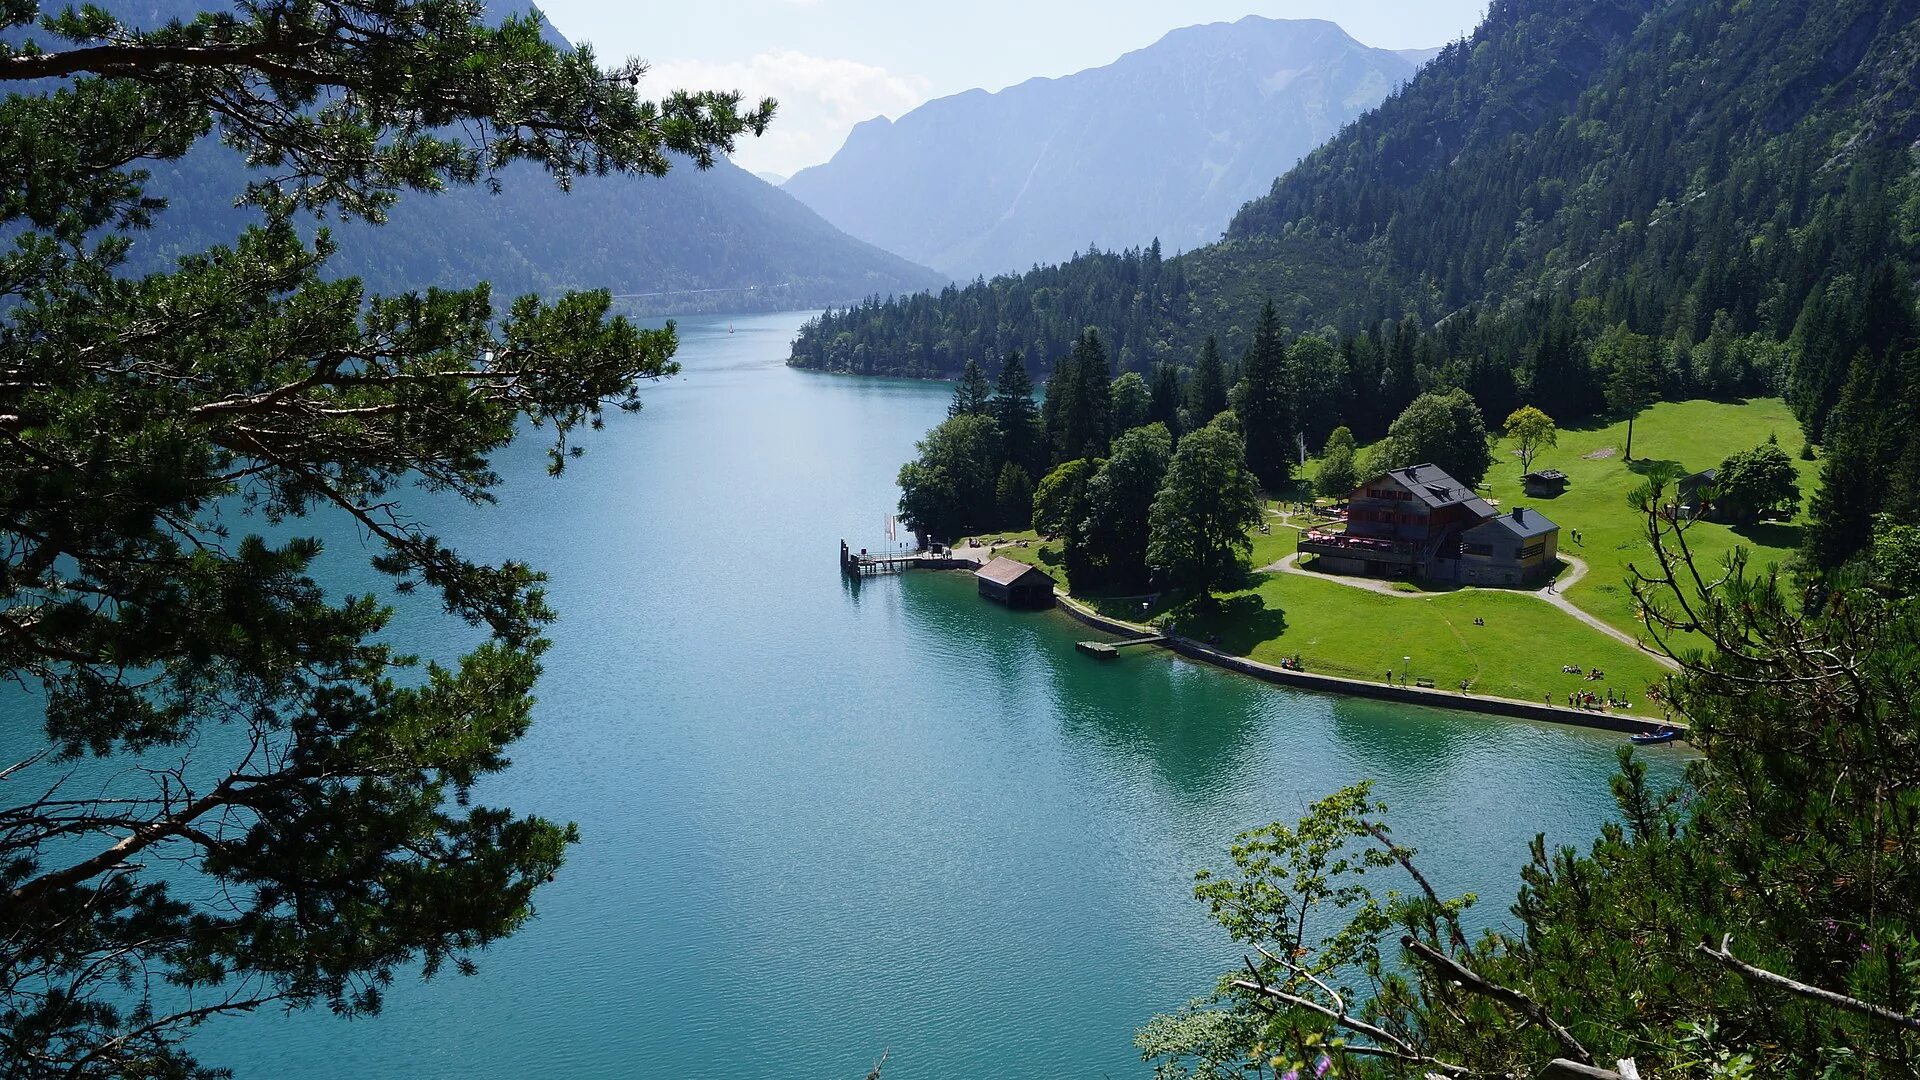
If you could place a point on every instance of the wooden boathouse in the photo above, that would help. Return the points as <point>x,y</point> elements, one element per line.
<point>1015,584</point>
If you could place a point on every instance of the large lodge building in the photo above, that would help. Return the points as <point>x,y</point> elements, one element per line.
<point>1419,522</point>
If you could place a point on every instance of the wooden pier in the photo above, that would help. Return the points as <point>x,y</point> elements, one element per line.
<point>864,564</point>
<point>1107,650</point>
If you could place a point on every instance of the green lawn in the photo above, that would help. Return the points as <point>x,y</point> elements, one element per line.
<point>1695,434</point>
<point>1038,552</point>
<point>1342,630</point>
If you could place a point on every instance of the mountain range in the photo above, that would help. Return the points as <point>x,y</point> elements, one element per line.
<point>1703,171</point>
<point>1167,141</point>
<point>715,239</point>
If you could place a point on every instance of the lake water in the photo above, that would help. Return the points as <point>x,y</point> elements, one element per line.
<point>822,820</point>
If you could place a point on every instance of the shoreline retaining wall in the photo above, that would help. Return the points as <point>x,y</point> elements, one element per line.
<point>1380,691</point>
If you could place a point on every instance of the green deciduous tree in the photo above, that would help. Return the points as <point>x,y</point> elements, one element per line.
<point>1628,360</point>
<point>1893,563</point>
<point>952,487</point>
<point>1060,500</point>
<point>1201,518</point>
<point>1112,541</point>
<point>1318,375</point>
<point>1530,431</point>
<point>1757,483</point>
<point>302,828</point>
<point>1339,472</point>
<point>1131,402</point>
<point>1444,429</point>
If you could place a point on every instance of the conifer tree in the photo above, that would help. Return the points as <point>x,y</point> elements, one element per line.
<point>1019,418</point>
<point>1163,406</point>
<point>300,830</point>
<point>1207,390</point>
<point>1014,496</point>
<point>972,396</point>
<point>1264,402</point>
<point>1875,425</point>
<point>1079,405</point>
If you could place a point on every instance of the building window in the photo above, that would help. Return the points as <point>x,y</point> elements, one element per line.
<point>1531,550</point>
<point>1485,551</point>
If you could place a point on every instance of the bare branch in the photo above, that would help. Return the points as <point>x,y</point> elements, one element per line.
<point>1724,955</point>
<point>1405,859</point>
<point>1471,981</point>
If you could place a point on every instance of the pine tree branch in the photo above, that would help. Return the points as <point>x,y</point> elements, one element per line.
<point>134,60</point>
<point>1724,955</point>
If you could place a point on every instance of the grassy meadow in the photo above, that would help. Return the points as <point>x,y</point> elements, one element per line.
<point>1524,642</point>
<point>1696,435</point>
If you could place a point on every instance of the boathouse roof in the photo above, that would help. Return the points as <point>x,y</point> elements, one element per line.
<point>1005,571</point>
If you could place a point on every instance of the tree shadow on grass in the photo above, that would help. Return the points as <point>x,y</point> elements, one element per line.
<point>1777,534</point>
<point>1238,622</point>
<point>1645,466</point>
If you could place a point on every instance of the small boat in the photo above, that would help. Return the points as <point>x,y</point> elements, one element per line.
<point>1654,738</point>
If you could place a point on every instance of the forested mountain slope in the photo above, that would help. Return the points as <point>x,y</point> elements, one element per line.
<point>714,239</point>
<point>1165,142</point>
<point>1725,176</point>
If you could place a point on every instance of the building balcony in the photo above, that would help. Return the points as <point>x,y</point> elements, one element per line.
<point>1369,549</point>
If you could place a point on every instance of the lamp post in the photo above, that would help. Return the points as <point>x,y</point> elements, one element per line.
<point>1406,669</point>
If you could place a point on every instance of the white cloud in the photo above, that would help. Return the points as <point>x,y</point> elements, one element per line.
<point>821,98</point>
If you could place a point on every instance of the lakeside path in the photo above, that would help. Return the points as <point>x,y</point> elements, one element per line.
<point>1553,595</point>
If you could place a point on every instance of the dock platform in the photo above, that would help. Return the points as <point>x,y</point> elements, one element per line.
<point>1107,650</point>
<point>863,564</point>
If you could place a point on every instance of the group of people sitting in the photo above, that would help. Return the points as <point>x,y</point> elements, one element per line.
<point>1576,669</point>
<point>1587,699</point>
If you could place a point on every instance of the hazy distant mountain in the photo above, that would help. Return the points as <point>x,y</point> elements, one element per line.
<point>1165,142</point>
<point>715,240</point>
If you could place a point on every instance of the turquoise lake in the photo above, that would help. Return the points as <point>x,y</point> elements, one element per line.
<point>823,820</point>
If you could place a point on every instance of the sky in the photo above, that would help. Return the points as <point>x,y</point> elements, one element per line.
<point>834,63</point>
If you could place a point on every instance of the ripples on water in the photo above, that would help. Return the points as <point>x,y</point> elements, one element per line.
<point>822,820</point>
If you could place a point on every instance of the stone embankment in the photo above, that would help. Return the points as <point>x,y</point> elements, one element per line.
<point>1381,691</point>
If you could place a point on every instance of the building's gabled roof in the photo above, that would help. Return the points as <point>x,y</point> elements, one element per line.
<point>1432,485</point>
<point>1550,476</point>
<point>1521,522</point>
<point>1005,571</point>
